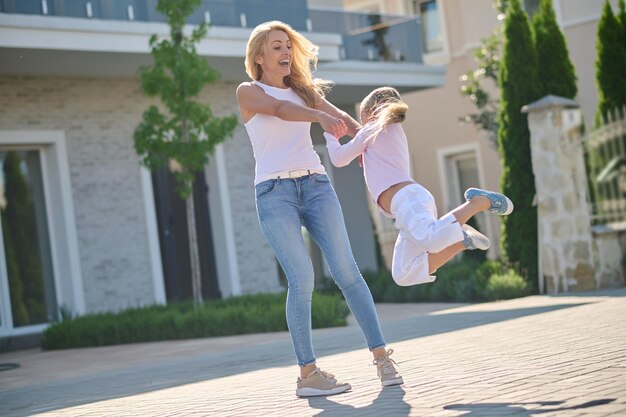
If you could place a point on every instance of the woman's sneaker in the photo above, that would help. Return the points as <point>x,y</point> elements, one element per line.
<point>499,203</point>
<point>387,372</point>
<point>473,239</point>
<point>318,383</point>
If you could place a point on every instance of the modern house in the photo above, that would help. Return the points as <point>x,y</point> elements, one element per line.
<point>449,156</point>
<point>84,227</point>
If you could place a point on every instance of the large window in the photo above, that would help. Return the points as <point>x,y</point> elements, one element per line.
<point>432,36</point>
<point>27,290</point>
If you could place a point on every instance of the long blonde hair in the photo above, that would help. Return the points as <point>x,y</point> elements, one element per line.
<point>303,61</point>
<point>380,108</point>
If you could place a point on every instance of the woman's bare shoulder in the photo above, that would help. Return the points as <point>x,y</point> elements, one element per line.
<point>246,85</point>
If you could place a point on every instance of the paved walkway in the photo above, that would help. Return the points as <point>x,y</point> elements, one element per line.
<point>536,356</point>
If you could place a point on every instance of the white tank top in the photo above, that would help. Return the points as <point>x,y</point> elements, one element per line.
<point>280,145</point>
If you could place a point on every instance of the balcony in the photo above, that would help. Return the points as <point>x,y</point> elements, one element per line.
<point>109,38</point>
<point>367,37</point>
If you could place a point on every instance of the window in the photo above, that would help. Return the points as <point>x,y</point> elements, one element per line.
<point>460,172</point>
<point>37,213</point>
<point>25,256</point>
<point>428,10</point>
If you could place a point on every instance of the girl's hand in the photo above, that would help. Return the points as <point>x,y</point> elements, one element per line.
<point>333,125</point>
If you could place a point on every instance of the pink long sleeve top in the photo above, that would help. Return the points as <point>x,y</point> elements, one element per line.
<point>385,157</point>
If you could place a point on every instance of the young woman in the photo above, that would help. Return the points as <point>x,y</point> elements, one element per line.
<point>424,242</point>
<point>292,190</point>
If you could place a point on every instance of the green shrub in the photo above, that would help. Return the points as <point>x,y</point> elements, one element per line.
<point>482,275</point>
<point>237,315</point>
<point>506,285</point>
<point>465,279</point>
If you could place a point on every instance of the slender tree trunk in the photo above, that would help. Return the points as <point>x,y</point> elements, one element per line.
<point>194,255</point>
<point>196,281</point>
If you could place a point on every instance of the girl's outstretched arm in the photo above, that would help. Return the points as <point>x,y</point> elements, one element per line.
<point>342,155</point>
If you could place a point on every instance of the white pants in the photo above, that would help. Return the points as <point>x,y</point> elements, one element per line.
<point>420,233</point>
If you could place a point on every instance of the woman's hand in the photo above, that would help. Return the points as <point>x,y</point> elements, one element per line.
<point>333,125</point>
<point>328,108</point>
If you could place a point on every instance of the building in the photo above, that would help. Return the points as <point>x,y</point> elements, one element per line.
<point>96,232</point>
<point>448,156</point>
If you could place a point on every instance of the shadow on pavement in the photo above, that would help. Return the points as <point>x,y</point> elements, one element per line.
<point>390,402</point>
<point>59,394</point>
<point>430,325</point>
<point>519,409</point>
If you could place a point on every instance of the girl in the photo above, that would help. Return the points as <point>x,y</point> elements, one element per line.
<point>424,243</point>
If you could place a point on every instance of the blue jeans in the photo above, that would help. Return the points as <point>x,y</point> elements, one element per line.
<point>283,207</point>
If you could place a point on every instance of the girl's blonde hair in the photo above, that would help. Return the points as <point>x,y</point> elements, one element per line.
<point>382,107</point>
<point>303,61</point>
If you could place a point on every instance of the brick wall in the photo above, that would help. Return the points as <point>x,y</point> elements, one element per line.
<point>98,117</point>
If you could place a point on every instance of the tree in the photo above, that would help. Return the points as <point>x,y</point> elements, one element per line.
<point>610,62</point>
<point>487,57</point>
<point>622,22</point>
<point>557,75</point>
<point>518,82</point>
<point>184,134</point>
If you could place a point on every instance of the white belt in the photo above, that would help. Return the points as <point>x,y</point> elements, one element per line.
<point>295,173</point>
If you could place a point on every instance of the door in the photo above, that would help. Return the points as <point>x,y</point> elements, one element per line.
<point>174,241</point>
<point>27,287</point>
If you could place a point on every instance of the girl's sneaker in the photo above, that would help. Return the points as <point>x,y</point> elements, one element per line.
<point>473,239</point>
<point>500,203</point>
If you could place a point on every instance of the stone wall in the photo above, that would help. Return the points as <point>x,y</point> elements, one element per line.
<point>571,257</point>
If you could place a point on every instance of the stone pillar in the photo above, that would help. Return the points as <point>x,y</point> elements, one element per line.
<point>564,224</point>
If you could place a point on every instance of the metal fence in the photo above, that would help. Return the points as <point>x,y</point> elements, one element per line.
<point>605,156</point>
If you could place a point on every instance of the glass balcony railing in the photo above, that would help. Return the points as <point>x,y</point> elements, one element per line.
<point>371,36</point>
<point>366,36</point>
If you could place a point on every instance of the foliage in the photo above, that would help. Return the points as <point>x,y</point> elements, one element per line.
<point>487,58</point>
<point>611,61</point>
<point>184,134</point>
<point>621,16</point>
<point>557,72</point>
<point>502,6</point>
<point>238,315</point>
<point>462,280</point>
<point>477,82</point>
<point>518,85</point>
<point>506,286</point>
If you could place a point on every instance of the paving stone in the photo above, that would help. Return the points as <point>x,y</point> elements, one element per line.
<point>537,356</point>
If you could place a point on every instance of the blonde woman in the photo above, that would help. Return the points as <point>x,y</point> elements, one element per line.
<point>292,190</point>
<point>425,242</point>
